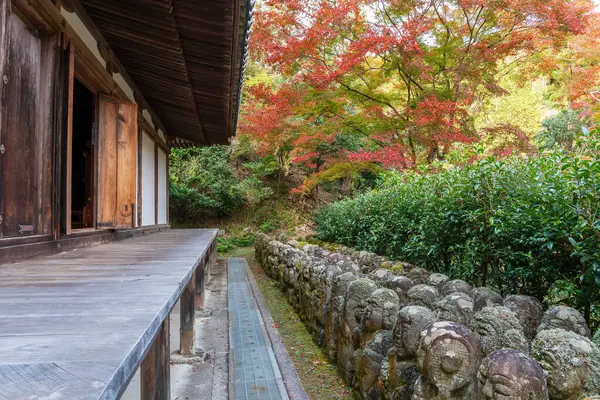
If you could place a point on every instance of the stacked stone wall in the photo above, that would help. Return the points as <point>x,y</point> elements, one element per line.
<point>396,331</point>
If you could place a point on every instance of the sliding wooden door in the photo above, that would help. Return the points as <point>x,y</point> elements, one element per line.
<point>117,147</point>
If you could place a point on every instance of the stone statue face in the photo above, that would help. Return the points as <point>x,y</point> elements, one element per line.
<point>423,295</point>
<point>418,275</point>
<point>571,363</point>
<point>437,280</point>
<point>528,310</point>
<point>456,307</point>
<point>448,357</point>
<point>381,311</point>
<point>485,297</point>
<point>510,374</point>
<point>456,286</point>
<point>357,295</point>
<point>412,320</point>
<point>498,328</point>
<point>567,318</point>
<point>400,285</point>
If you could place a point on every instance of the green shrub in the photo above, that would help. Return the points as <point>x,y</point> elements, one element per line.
<point>202,184</point>
<point>559,130</point>
<point>226,244</point>
<point>520,225</point>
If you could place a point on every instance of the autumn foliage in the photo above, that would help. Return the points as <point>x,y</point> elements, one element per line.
<point>394,82</point>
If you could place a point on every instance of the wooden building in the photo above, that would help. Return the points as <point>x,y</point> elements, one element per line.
<point>94,94</point>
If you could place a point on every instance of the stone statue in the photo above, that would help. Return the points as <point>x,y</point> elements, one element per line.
<point>412,320</point>
<point>401,285</point>
<point>381,313</point>
<point>356,299</point>
<point>485,297</point>
<point>423,295</point>
<point>368,365</point>
<point>438,280</point>
<point>455,307</point>
<point>567,318</point>
<point>418,275</point>
<point>448,358</point>
<point>571,362</point>
<point>335,313</point>
<point>381,276</point>
<point>499,328</point>
<point>528,310</point>
<point>456,286</point>
<point>510,374</point>
<point>401,371</point>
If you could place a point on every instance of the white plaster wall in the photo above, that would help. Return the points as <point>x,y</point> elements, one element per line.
<point>148,191</point>
<point>162,187</point>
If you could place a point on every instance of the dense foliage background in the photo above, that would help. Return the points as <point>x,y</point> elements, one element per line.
<point>463,115</point>
<point>526,225</point>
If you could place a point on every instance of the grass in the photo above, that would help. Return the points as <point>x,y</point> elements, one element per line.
<point>318,376</point>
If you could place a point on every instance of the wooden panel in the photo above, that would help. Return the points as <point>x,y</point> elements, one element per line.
<point>117,147</point>
<point>44,210</point>
<point>19,124</point>
<point>107,163</point>
<point>126,168</point>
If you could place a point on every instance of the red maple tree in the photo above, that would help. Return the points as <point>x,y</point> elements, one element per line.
<point>389,81</point>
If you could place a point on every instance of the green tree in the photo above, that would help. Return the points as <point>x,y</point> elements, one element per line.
<point>559,131</point>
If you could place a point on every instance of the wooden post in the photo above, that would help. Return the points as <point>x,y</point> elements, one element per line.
<point>69,160</point>
<point>155,383</point>
<point>199,277</point>
<point>187,312</point>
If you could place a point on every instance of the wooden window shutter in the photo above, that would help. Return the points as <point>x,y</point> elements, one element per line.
<point>117,147</point>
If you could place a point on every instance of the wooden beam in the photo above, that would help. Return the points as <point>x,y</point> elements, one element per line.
<point>139,175</point>
<point>69,166</point>
<point>187,312</point>
<point>155,382</point>
<point>155,183</point>
<point>232,78</point>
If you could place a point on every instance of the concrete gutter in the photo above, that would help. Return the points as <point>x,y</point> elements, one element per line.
<point>288,372</point>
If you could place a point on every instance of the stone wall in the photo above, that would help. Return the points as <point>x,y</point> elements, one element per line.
<point>396,331</point>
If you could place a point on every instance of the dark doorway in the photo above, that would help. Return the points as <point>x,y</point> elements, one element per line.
<point>82,181</point>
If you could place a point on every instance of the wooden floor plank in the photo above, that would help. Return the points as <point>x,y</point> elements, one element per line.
<point>77,325</point>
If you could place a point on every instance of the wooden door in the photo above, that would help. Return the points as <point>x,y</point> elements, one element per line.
<point>21,78</point>
<point>117,147</point>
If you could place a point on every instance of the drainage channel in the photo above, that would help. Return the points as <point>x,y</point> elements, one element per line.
<point>253,369</point>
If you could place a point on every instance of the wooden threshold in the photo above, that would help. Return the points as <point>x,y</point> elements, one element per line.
<point>19,249</point>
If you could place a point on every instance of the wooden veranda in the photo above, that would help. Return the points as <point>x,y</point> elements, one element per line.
<point>78,325</point>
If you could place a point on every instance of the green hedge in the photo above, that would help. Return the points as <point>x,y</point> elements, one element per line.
<point>521,225</point>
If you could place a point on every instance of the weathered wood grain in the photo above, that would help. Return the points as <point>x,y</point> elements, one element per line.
<point>107,163</point>
<point>22,87</point>
<point>81,322</point>
<point>155,371</point>
<point>126,152</point>
<point>187,315</point>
